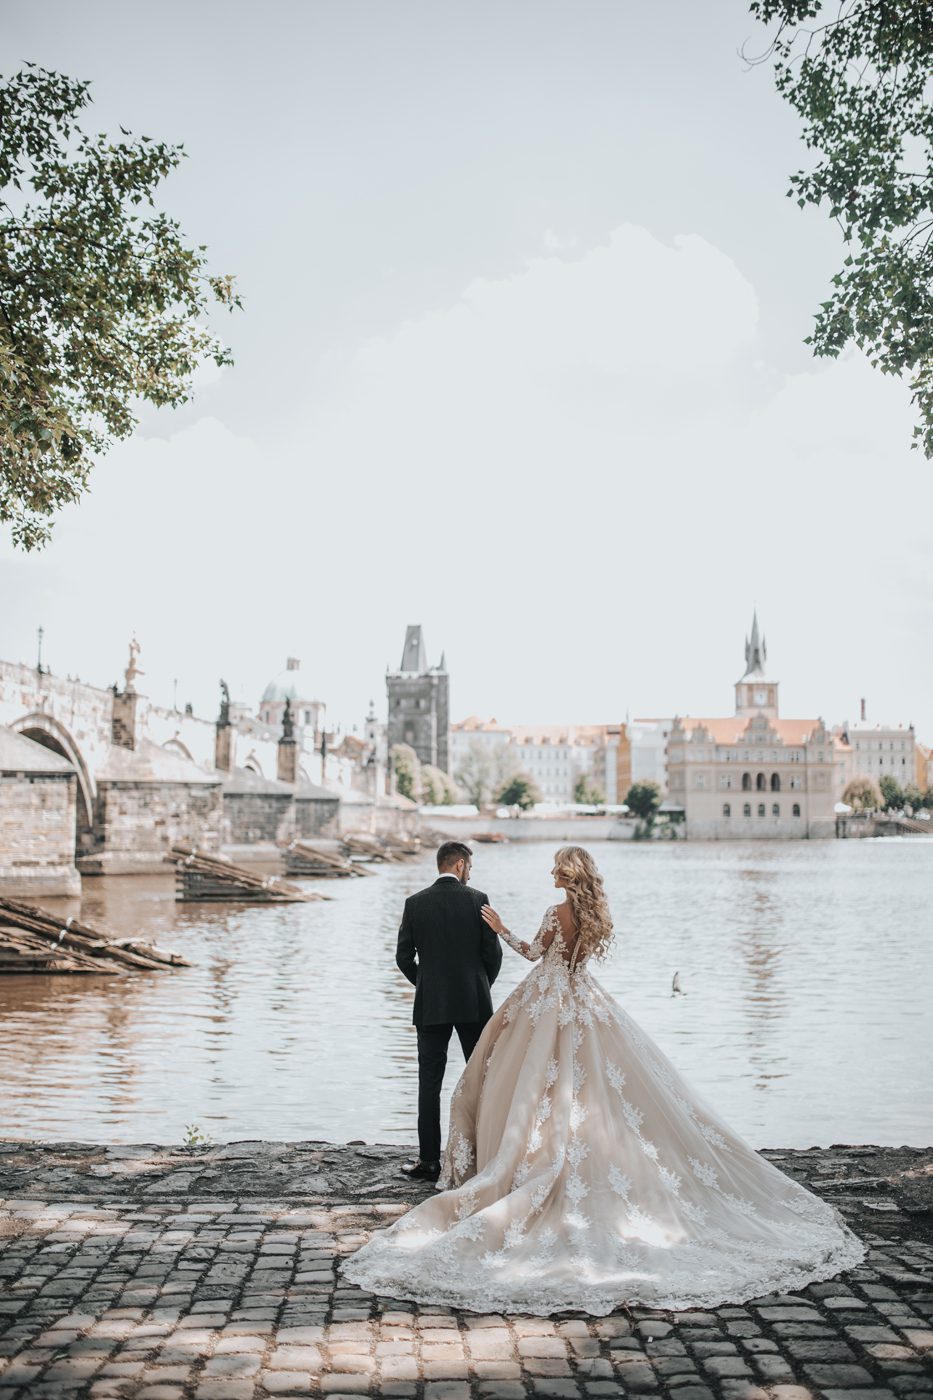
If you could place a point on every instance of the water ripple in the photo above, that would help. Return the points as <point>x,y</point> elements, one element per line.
<point>807,969</point>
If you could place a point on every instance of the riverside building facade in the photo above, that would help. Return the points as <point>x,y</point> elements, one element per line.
<point>754,774</point>
<point>554,756</point>
<point>878,751</point>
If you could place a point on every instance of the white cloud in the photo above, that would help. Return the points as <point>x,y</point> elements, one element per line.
<point>579,478</point>
<point>633,309</point>
<point>552,243</point>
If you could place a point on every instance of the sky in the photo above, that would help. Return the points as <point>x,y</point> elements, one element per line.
<point>521,360</point>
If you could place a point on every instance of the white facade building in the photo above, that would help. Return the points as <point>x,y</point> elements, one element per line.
<point>877,751</point>
<point>554,756</point>
<point>754,774</point>
<point>649,738</point>
<point>471,733</point>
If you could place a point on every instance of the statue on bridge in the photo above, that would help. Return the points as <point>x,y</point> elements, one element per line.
<point>288,724</point>
<point>132,670</point>
<point>224,716</point>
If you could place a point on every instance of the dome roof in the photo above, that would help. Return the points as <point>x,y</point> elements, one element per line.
<point>290,684</point>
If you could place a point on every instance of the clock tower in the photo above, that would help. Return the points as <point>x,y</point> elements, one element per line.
<point>755,693</point>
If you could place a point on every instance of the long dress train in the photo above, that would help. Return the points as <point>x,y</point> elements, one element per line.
<point>582,1171</point>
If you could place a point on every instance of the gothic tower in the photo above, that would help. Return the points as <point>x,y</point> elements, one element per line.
<point>755,693</point>
<point>419,703</point>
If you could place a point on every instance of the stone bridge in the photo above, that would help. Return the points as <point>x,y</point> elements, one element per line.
<point>102,781</point>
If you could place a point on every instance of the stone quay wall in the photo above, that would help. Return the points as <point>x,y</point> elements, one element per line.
<point>37,834</point>
<point>255,818</point>
<point>156,1273</point>
<point>318,816</point>
<point>136,824</point>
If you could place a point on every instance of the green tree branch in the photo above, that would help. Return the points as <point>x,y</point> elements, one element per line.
<point>860,83</point>
<point>100,306</point>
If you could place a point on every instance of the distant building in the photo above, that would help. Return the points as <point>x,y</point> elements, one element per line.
<point>878,751</point>
<point>649,739</point>
<point>468,735</point>
<point>754,774</point>
<point>554,756</point>
<point>419,703</point>
<point>307,713</point>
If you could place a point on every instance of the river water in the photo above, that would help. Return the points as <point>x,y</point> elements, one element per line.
<point>806,1019</point>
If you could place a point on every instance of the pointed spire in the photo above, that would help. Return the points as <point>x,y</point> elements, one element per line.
<point>443,665</point>
<point>755,642</point>
<point>414,656</point>
<point>756,652</point>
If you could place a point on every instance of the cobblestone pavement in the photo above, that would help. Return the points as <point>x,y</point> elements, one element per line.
<point>158,1274</point>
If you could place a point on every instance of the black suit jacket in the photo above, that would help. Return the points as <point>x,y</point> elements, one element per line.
<point>448,953</point>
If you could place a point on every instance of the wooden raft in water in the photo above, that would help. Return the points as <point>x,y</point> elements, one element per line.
<point>33,940</point>
<point>315,861</point>
<point>379,848</point>
<point>202,877</point>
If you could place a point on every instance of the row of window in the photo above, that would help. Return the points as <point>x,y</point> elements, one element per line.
<point>761,781</point>
<point>795,781</point>
<point>776,756</point>
<point>747,809</point>
<point>676,755</point>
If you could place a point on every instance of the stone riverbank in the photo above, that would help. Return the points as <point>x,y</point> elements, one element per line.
<point>164,1274</point>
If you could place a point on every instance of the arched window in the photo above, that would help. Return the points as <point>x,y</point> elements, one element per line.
<point>761,782</point>
<point>775,782</point>
<point>726,809</point>
<point>796,809</point>
<point>746,782</point>
<point>747,810</point>
<point>775,809</point>
<point>761,809</point>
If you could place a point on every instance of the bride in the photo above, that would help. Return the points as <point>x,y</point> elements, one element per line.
<point>583,1172</point>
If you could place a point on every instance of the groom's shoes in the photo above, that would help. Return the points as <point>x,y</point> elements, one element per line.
<point>422,1171</point>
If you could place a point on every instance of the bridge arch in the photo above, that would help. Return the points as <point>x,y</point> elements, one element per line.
<point>45,730</point>
<point>175,745</point>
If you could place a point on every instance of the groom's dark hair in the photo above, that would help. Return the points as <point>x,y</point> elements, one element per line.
<point>450,852</point>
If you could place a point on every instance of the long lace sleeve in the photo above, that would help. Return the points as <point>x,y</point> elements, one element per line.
<point>539,944</point>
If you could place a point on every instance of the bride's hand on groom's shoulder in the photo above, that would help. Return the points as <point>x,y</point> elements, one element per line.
<point>492,919</point>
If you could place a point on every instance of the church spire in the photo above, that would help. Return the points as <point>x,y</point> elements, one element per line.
<point>755,693</point>
<point>756,651</point>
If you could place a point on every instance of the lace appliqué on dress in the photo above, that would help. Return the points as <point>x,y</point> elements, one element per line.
<point>607,1184</point>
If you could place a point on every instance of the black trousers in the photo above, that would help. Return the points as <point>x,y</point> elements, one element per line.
<point>432,1061</point>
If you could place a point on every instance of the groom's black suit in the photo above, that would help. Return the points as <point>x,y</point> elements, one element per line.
<point>451,957</point>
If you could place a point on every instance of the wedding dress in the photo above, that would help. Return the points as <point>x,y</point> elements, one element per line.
<point>583,1172</point>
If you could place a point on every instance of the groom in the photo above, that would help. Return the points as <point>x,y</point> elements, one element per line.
<point>451,956</point>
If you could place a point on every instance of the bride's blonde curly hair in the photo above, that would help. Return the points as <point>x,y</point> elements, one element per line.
<point>586,896</point>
